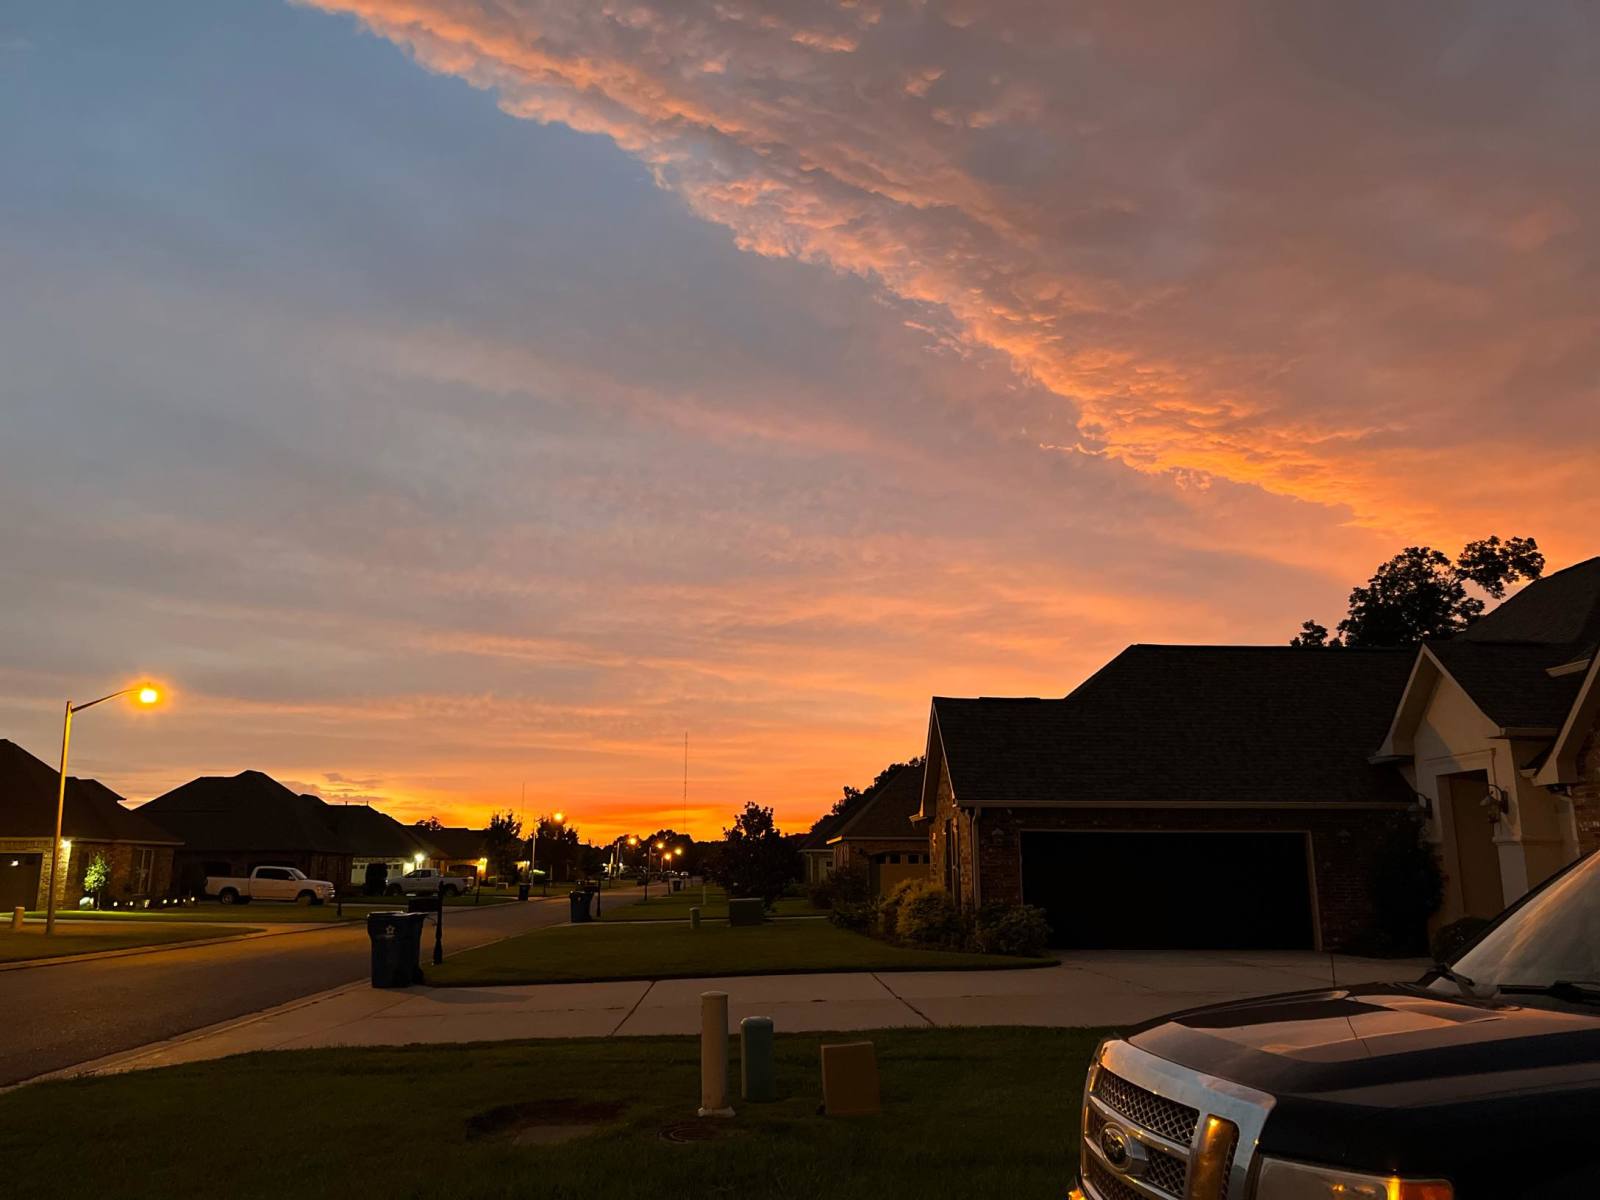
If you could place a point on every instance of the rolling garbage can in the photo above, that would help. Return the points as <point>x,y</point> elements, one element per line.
<point>522,891</point>
<point>677,883</point>
<point>580,899</point>
<point>396,939</point>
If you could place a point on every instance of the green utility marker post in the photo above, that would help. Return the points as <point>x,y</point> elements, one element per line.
<point>756,1077</point>
<point>694,918</point>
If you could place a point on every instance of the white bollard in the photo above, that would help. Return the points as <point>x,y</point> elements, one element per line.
<point>714,1055</point>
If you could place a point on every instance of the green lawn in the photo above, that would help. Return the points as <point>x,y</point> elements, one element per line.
<point>967,1113</point>
<point>570,953</point>
<point>79,937</point>
<point>675,906</point>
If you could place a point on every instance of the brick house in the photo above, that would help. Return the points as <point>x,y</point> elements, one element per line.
<point>94,823</point>
<point>381,849</point>
<point>231,825</point>
<point>461,851</point>
<point>879,834</point>
<point>1245,796</point>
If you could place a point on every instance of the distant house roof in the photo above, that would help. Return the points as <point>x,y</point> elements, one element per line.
<point>249,811</point>
<point>1184,724</point>
<point>457,843</point>
<point>817,839</point>
<point>371,833</point>
<point>887,813</point>
<point>93,812</point>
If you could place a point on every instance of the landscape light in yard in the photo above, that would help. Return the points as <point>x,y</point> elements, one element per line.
<point>146,694</point>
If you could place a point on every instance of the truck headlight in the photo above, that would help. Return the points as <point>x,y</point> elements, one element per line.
<point>1281,1179</point>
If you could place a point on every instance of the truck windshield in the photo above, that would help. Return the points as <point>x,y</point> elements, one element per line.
<point>1553,938</point>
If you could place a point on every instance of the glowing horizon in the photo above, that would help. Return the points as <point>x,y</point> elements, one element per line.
<point>530,383</point>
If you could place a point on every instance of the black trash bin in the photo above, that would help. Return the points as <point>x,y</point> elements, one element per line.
<point>396,939</point>
<point>580,899</point>
<point>522,891</point>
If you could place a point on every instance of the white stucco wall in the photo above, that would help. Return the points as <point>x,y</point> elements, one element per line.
<point>1534,839</point>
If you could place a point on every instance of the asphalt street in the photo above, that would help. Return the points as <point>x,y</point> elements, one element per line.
<point>58,1015</point>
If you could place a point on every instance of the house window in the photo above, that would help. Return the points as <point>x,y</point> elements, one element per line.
<point>144,866</point>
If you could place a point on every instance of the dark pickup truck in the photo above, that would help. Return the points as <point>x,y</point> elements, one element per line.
<point>1480,1080</point>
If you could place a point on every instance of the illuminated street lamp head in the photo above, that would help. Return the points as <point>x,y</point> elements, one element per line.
<point>678,851</point>
<point>632,841</point>
<point>149,695</point>
<point>559,818</point>
<point>661,845</point>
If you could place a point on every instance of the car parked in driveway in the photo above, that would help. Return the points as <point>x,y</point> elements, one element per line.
<point>425,881</point>
<point>269,883</point>
<point>1480,1080</point>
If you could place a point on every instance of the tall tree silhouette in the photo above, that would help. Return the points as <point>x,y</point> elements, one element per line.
<point>1421,593</point>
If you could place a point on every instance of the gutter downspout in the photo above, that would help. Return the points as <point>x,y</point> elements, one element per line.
<point>977,870</point>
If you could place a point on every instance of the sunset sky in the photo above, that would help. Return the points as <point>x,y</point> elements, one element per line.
<point>443,396</point>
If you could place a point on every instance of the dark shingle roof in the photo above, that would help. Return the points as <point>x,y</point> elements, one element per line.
<point>1510,683</point>
<point>249,811</point>
<point>1187,724</point>
<point>457,842</point>
<point>374,834</point>
<point>93,812</point>
<point>1503,660</point>
<point>888,811</point>
<point>1562,609</point>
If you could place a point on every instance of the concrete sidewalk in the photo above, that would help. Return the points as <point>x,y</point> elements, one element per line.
<point>1099,988</point>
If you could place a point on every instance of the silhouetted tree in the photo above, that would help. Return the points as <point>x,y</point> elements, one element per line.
<point>1421,593</point>
<point>854,796</point>
<point>756,859</point>
<point>430,823</point>
<point>505,844</point>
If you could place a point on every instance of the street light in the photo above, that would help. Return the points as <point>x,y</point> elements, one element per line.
<point>533,849</point>
<point>146,694</point>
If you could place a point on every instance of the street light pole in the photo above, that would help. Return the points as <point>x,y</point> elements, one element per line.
<point>147,695</point>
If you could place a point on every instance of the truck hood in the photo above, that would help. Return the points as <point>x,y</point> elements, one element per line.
<point>1382,1044</point>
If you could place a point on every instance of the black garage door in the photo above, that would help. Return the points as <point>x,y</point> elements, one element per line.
<point>1211,891</point>
<point>19,880</point>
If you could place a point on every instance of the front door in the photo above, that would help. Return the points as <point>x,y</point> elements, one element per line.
<point>1477,857</point>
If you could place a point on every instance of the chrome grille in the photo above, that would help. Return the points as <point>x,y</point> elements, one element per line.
<point>1173,1121</point>
<point>1166,1172</point>
<point>1162,1112</point>
<point>1106,1185</point>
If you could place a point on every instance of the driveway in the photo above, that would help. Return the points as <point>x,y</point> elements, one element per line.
<point>1086,989</point>
<point>65,1013</point>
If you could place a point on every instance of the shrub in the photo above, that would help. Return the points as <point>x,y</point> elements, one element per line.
<point>889,907</point>
<point>1019,929</point>
<point>858,916</point>
<point>927,915</point>
<point>820,894</point>
<point>1407,889</point>
<point>1452,939</point>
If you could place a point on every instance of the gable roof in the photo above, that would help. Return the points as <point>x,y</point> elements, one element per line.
<point>249,811</point>
<point>1184,725</point>
<point>1503,662</point>
<point>92,812</point>
<point>456,842</point>
<point>888,812</point>
<point>372,833</point>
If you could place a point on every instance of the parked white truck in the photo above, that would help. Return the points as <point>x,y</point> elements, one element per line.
<point>425,881</point>
<point>269,883</point>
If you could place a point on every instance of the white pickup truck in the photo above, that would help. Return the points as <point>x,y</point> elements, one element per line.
<point>269,883</point>
<point>425,881</point>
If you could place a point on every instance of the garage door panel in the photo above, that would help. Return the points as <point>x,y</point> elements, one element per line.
<point>1171,890</point>
<point>19,879</point>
